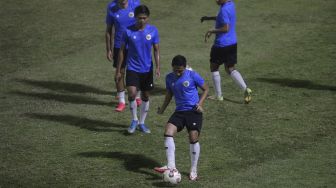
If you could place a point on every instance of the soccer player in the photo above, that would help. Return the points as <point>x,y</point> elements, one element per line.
<point>182,84</point>
<point>140,39</point>
<point>120,15</point>
<point>224,50</point>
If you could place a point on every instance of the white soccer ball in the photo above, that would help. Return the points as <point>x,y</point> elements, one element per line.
<point>172,176</point>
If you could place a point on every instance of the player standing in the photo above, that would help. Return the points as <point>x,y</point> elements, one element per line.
<point>224,49</point>
<point>140,39</point>
<point>183,84</point>
<point>120,15</point>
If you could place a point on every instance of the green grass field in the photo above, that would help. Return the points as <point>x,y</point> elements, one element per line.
<point>58,127</point>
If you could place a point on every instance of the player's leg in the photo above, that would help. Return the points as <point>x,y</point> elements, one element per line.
<point>121,92</point>
<point>174,125</point>
<point>120,85</point>
<point>170,131</point>
<point>230,61</point>
<point>138,98</point>
<point>215,62</point>
<point>195,149</point>
<point>146,85</point>
<point>238,79</point>
<point>132,83</point>
<point>194,126</point>
<point>144,107</point>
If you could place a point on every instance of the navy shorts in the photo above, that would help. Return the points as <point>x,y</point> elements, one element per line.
<point>142,81</point>
<point>115,58</point>
<point>192,120</point>
<point>226,55</point>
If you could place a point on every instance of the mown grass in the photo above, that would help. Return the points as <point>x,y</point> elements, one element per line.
<point>58,127</point>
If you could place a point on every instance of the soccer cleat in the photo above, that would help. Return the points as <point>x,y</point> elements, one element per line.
<point>121,107</point>
<point>219,98</point>
<point>248,95</point>
<point>143,128</point>
<point>161,170</point>
<point>133,126</point>
<point>193,176</point>
<point>138,101</point>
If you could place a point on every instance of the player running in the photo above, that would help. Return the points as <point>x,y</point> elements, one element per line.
<point>140,39</point>
<point>120,15</point>
<point>224,50</point>
<point>183,84</point>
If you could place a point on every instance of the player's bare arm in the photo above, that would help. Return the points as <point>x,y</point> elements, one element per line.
<point>120,62</point>
<point>223,29</point>
<point>207,18</point>
<point>205,89</point>
<point>156,49</point>
<point>168,97</point>
<point>109,36</point>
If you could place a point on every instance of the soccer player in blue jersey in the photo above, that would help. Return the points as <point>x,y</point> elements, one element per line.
<point>224,50</point>
<point>120,15</point>
<point>182,84</point>
<point>140,38</point>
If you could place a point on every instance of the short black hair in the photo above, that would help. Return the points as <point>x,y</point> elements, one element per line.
<point>141,9</point>
<point>179,60</point>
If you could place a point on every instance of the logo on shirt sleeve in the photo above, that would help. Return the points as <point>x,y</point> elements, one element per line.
<point>131,14</point>
<point>148,37</point>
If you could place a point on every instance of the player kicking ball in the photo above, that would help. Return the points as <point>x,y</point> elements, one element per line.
<point>183,84</point>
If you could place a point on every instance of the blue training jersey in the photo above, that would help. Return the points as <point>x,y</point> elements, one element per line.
<point>184,89</point>
<point>140,42</point>
<point>120,18</point>
<point>226,15</point>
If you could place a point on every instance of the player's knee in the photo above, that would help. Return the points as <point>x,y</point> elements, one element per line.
<point>131,98</point>
<point>214,67</point>
<point>229,69</point>
<point>145,98</point>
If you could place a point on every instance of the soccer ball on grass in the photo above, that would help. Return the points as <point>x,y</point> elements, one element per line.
<point>172,176</point>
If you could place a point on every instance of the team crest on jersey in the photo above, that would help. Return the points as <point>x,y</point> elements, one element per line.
<point>186,83</point>
<point>131,14</point>
<point>148,37</point>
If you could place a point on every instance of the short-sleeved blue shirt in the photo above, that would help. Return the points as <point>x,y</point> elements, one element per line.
<point>140,43</point>
<point>226,15</point>
<point>184,89</point>
<point>120,18</point>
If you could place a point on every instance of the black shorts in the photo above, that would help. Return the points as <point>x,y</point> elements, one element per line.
<point>190,119</point>
<point>115,58</point>
<point>142,81</point>
<point>226,55</point>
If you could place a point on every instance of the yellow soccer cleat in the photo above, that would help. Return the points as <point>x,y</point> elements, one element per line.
<point>248,95</point>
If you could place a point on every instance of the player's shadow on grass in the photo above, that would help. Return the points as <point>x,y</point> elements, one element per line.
<point>285,82</point>
<point>64,86</point>
<point>74,99</point>
<point>233,101</point>
<point>132,162</point>
<point>81,122</point>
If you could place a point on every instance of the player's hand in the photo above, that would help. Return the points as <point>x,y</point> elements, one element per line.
<point>203,18</point>
<point>117,77</point>
<point>199,109</point>
<point>207,35</point>
<point>157,73</point>
<point>159,110</point>
<point>109,55</point>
